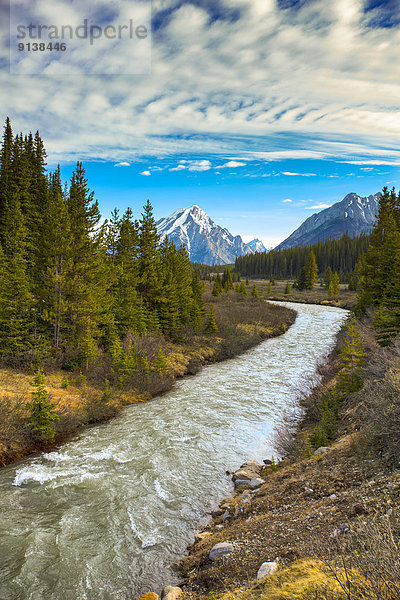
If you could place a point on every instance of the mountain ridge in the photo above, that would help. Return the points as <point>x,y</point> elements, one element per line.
<point>206,242</point>
<point>353,215</point>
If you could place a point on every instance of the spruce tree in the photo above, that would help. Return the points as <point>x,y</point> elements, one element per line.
<point>88,307</point>
<point>254,291</point>
<point>311,271</point>
<point>352,359</point>
<point>211,325</point>
<point>42,413</point>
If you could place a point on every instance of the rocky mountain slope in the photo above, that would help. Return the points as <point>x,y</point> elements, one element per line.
<point>353,215</point>
<point>257,245</point>
<point>206,242</point>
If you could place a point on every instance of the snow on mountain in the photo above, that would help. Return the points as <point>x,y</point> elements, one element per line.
<point>256,245</point>
<point>206,242</point>
<point>352,215</point>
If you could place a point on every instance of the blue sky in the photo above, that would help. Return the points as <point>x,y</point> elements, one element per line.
<point>260,111</point>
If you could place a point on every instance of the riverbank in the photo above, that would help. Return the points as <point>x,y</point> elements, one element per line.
<point>320,515</point>
<point>318,295</point>
<point>85,398</point>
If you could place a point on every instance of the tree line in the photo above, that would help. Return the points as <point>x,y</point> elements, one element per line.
<point>70,283</point>
<point>340,256</point>
<point>378,271</point>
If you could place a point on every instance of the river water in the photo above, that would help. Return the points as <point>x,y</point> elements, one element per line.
<point>102,517</point>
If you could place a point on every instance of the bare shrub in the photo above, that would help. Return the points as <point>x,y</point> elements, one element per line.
<point>364,562</point>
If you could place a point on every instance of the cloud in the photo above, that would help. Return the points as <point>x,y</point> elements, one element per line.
<point>178,168</point>
<point>231,164</point>
<point>290,174</point>
<point>318,206</point>
<point>122,164</point>
<point>287,200</point>
<point>199,165</point>
<point>145,173</point>
<point>330,77</point>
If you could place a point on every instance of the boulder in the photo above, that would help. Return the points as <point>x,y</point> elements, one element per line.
<point>149,596</point>
<point>256,483</point>
<point>251,465</point>
<point>171,593</point>
<point>321,450</point>
<point>267,569</point>
<point>244,474</point>
<point>217,513</point>
<point>202,536</point>
<point>220,550</point>
<point>242,482</point>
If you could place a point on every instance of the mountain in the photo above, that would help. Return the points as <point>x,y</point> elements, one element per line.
<point>257,246</point>
<point>206,242</point>
<point>352,215</point>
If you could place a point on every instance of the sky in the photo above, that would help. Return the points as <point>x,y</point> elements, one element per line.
<point>259,111</point>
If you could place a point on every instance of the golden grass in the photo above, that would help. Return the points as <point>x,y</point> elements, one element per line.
<point>299,581</point>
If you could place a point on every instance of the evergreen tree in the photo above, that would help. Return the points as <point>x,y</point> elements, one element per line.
<point>242,289</point>
<point>254,291</point>
<point>311,271</point>
<point>334,285</point>
<point>149,266</point>
<point>287,288</point>
<point>352,359</point>
<point>41,410</point>
<point>88,278</point>
<point>302,281</point>
<point>211,325</point>
<point>227,283</point>
<point>328,277</point>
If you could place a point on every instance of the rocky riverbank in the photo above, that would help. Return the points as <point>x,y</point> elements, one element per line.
<point>279,535</point>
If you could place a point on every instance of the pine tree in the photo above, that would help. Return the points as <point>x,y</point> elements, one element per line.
<point>328,277</point>
<point>302,282</point>
<point>211,325</point>
<point>242,289</point>
<point>334,285</point>
<point>311,271</point>
<point>352,359</point>
<point>287,288</point>
<point>88,278</point>
<point>227,283</point>
<point>254,291</point>
<point>41,411</point>
<point>149,266</point>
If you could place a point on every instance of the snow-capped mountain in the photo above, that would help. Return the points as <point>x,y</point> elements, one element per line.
<point>206,242</point>
<point>256,245</point>
<point>352,215</point>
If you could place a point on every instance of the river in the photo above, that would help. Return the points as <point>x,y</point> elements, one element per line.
<point>102,517</point>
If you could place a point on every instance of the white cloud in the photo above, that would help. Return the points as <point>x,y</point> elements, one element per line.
<point>290,174</point>
<point>287,200</point>
<point>231,164</point>
<point>145,173</point>
<point>199,165</point>
<point>329,75</point>
<point>122,164</point>
<point>178,168</point>
<point>318,206</point>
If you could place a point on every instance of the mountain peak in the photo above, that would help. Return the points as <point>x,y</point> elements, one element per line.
<point>205,241</point>
<point>353,215</point>
<point>257,245</point>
